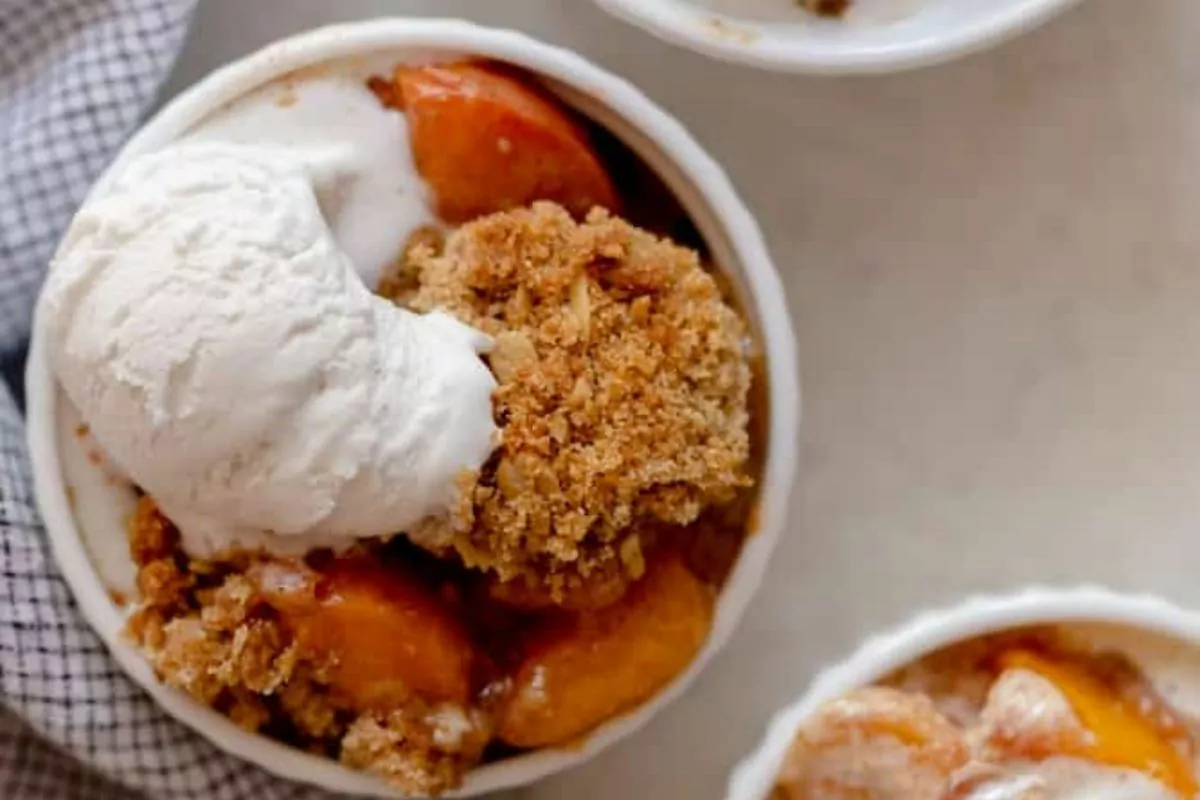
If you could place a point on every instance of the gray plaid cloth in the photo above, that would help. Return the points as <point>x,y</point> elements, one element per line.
<point>75,78</point>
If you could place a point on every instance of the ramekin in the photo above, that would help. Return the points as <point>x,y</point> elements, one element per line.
<point>704,191</point>
<point>885,36</point>
<point>754,776</point>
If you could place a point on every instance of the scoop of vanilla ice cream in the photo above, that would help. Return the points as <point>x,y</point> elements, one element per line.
<point>223,351</point>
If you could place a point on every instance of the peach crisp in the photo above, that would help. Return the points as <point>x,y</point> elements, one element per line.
<point>577,571</point>
<point>1025,715</point>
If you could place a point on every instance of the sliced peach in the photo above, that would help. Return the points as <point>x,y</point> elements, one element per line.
<point>585,594</point>
<point>485,141</point>
<point>1121,734</point>
<point>387,636</point>
<point>576,675</point>
<point>882,712</point>
<point>870,744</point>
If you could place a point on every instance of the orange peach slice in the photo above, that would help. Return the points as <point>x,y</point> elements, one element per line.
<point>387,636</point>
<point>575,676</point>
<point>882,712</point>
<point>871,744</point>
<point>1122,734</point>
<point>485,141</point>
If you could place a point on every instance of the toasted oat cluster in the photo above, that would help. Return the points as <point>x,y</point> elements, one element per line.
<point>401,668</point>
<point>623,380</point>
<point>210,630</point>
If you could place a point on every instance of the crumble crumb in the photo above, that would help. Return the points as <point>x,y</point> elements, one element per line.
<point>413,748</point>
<point>151,535</point>
<point>622,398</point>
<point>191,657</point>
<point>207,630</point>
<point>162,579</point>
<point>307,706</point>
<point>248,711</point>
<point>401,280</point>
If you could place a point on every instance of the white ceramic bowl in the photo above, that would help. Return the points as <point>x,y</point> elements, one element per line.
<point>753,778</point>
<point>92,509</point>
<point>874,36</point>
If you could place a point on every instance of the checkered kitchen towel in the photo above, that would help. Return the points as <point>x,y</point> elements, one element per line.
<point>75,78</point>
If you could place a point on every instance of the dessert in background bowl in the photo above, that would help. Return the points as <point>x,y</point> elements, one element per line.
<point>836,36</point>
<point>1045,695</point>
<point>413,396</point>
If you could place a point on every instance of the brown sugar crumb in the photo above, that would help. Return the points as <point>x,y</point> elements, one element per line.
<point>400,281</point>
<point>190,658</point>
<point>826,8</point>
<point>247,710</point>
<point>163,582</point>
<point>228,605</point>
<point>387,92</point>
<point>151,535</point>
<point>307,706</point>
<point>424,750</point>
<point>622,397</point>
<point>207,630</point>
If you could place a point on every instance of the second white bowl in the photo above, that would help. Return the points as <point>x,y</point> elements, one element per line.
<point>874,36</point>
<point>881,655</point>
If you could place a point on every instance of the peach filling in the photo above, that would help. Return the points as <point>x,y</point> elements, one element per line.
<point>485,141</point>
<point>1122,734</point>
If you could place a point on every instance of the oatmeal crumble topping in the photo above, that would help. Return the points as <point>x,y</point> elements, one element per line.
<point>622,396</point>
<point>414,749</point>
<point>207,631</point>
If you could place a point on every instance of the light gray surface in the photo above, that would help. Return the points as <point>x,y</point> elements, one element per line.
<point>993,268</point>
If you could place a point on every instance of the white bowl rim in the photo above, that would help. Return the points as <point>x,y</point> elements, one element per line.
<point>676,22</point>
<point>765,301</point>
<point>753,776</point>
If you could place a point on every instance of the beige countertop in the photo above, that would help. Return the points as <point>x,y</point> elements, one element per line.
<point>994,270</point>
